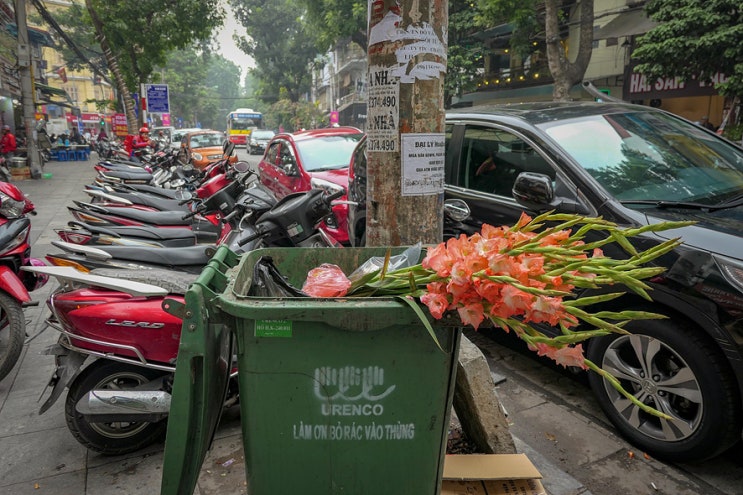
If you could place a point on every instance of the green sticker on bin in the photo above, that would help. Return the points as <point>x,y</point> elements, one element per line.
<point>273,328</point>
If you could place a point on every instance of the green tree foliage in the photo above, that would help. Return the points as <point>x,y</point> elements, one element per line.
<point>694,38</point>
<point>282,44</point>
<point>523,15</point>
<point>135,38</point>
<point>78,27</point>
<point>294,115</point>
<point>142,33</point>
<point>203,86</point>
<point>338,19</point>
<point>464,56</point>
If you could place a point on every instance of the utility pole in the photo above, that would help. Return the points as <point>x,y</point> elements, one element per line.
<point>25,59</point>
<point>405,121</point>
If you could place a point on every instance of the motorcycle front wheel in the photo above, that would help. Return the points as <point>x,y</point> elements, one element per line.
<point>12,333</point>
<point>113,437</point>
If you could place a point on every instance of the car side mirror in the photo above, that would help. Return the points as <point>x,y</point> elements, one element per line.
<point>290,169</point>
<point>241,167</point>
<point>534,191</point>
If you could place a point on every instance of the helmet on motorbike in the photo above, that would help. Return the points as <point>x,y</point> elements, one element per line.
<point>6,127</point>
<point>144,130</point>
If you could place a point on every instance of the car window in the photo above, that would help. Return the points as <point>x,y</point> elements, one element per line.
<point>285,155</point>
<point>652,156</point>
<point>327,152</point>
<point>262,134</point>
<point>491,159</point>
<point>273,153</point>
<point>206,140</point>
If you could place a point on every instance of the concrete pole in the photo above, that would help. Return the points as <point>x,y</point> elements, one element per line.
<point>25,59</point>
<point>405,121</point>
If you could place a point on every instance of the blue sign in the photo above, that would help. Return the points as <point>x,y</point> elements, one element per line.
<point>135,97</point>
<point>157,98</point>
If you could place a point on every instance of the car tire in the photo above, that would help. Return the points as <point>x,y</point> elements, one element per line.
<point>651,363</point>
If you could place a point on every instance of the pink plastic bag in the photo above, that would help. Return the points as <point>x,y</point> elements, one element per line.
<point>326,281</point>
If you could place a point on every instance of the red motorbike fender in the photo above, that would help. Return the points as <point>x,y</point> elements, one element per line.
<point>10,283</point>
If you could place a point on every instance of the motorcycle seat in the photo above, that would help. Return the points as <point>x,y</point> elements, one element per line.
<point>143,231</point>
<point>181,256</point>
<point>127,174</point>
<point>173,281</point>
<point>158,202</point>
<point>158,191</point>
<point>144,216</point>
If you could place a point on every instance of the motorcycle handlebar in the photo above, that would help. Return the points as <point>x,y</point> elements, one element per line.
<point>229,216</point>
<point>335,195</point>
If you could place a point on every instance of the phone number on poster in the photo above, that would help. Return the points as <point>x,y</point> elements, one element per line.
<point>381,145</point>
<point>382,101</point>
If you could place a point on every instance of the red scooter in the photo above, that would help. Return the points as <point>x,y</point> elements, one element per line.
<point>119,402</point>
<point>15,285</point>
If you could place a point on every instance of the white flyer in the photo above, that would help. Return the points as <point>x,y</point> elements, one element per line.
<point>422,161</point>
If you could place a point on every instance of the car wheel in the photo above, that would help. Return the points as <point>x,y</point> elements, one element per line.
<point>675,369</point>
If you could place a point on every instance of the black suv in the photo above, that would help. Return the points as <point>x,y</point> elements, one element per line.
<point>632,165</point>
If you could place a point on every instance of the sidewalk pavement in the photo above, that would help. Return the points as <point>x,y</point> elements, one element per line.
<point>39,455</point>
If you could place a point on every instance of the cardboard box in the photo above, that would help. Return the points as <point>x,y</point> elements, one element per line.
<point>490,474</point>
<point>20,173</point>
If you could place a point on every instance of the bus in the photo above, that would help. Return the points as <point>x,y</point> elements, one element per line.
<point>240,123</point>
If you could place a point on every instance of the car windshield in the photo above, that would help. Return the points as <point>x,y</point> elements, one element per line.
<point>206,140</point>
<point>262,134</point>
<point>327,152</point>
<point>652,156</point>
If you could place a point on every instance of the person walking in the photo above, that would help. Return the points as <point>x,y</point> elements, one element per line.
<point>7,143</point>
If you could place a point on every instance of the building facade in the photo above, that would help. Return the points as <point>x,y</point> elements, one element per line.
<point>507,77</point>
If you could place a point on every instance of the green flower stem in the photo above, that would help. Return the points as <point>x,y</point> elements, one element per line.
<point>618,386</point>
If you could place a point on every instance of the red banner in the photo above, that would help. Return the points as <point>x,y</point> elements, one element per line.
<point>62,73</point>
<point>118,122</point>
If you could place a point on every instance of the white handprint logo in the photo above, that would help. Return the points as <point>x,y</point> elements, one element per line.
<point>350,383</point>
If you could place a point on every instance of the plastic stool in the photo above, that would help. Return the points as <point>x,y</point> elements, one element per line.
<point>80,155</point>
<point>62,155</point>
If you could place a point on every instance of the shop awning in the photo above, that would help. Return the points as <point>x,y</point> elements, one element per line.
<point>52,91</point>
<point>629,23</point>
<point>35,35</point>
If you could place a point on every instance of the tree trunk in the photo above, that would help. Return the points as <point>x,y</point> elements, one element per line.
<point>405,122</point>
<point>113,66</point>
<point>567,73</point>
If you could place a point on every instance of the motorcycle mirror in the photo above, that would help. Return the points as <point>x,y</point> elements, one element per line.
<point>183,195</point>
<point>228,148</point>
<point>241,167</point>
<point>456,209</point>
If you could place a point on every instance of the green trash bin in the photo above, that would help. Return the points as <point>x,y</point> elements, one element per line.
<point>337,396</point>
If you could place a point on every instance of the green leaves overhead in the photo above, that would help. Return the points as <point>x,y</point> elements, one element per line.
<point>141,34</point>
<point>281,42</point>
<point>694,39</point>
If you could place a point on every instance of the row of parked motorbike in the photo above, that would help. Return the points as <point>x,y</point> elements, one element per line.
<point>145,233</point>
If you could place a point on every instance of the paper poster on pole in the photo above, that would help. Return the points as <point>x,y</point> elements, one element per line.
<point>383,110</point>
<point>422,161</point>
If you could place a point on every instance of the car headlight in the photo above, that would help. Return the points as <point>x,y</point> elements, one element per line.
<point>9,207</point>
<point>325,184</point>
<point>197,156</point>
<point>732,271</point>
